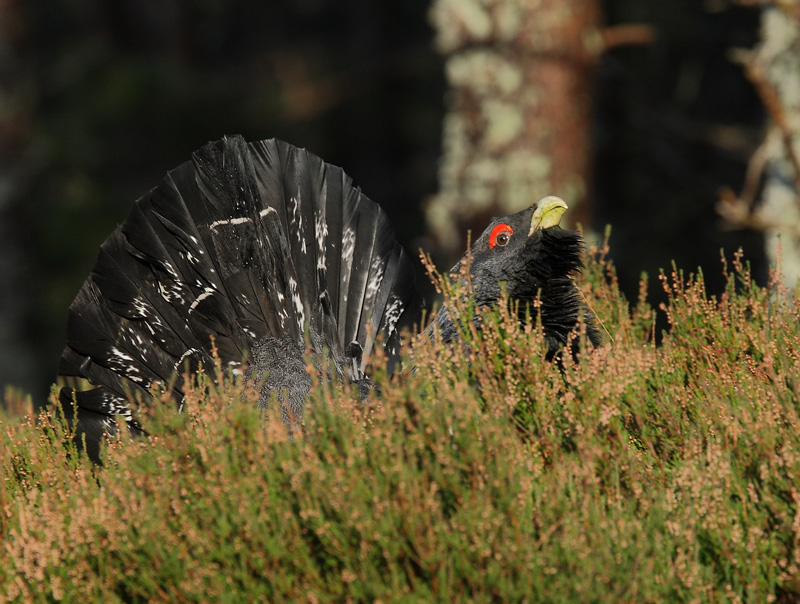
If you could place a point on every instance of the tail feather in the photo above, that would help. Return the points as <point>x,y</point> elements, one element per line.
<point>97,409</point>
<point>387,270</point>
<point>329,229</point>
<point>395,316</point>
<point>361,252</point>
<point>297,188</point>
<point>248,246</point>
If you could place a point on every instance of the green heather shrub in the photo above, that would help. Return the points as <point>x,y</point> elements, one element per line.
<point>634,473</point>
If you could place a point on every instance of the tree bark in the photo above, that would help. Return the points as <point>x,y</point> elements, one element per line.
<point>777,63</point>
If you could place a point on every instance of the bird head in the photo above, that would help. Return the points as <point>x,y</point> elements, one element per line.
<point>522,252</point>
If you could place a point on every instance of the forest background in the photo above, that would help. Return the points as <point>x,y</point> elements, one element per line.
<point>661,118</point>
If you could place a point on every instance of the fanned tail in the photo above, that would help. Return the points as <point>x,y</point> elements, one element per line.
<point>253,247</point>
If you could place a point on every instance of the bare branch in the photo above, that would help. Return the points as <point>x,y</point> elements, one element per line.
<point>769,96</point>
<point>628,34</point>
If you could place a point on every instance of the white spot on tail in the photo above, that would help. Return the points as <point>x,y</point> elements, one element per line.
<point>206,293</point>
<point>376,278</point>
<point>296,220</point>
<point>171,271</point>
<point>123,363</point>
<point>191,351</point>
<point>348,243</point>
<point>236,367</point>
<point>141,307</point>
<point>298,304</point>
<point>233,221</point>
<point>321,234</point>
<point>393,312</point>
<point>120,355</point>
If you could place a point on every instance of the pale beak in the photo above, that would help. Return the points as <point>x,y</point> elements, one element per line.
<point>547,214</point>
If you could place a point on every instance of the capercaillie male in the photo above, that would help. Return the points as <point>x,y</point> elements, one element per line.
<point>258,250</point>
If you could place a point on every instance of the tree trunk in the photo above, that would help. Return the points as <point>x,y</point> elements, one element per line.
<point>777,62</point>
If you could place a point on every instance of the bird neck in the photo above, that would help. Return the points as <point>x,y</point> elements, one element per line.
<point>559,307</point>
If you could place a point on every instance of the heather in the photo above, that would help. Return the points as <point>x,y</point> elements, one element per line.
<point>635,472</point>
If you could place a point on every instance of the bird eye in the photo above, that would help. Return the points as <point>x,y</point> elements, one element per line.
<point>501,235</point>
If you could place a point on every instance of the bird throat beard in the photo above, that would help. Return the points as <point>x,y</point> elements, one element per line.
<point>555,255</point>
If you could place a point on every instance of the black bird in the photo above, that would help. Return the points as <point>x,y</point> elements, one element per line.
<point>258,249</point>
<point>532,257</point>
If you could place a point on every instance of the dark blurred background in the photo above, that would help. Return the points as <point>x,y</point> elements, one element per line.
<point>99,99</point>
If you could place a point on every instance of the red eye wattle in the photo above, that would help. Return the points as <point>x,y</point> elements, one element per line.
<point>501,234</point>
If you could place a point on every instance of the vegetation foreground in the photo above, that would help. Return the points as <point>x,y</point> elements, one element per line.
<point>638,473</point>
